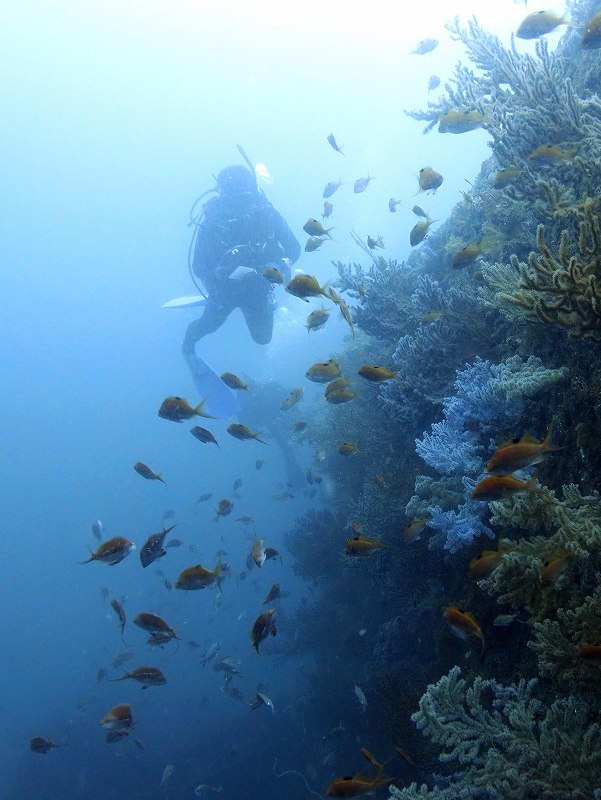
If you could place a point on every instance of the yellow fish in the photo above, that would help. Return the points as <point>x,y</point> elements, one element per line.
<point>539,23</point>
<point>233,381</point>
<point>344,309</point>
<point>304,286</point>
<point>198,577</point>
<point>461,121</point>
<point>362,546</point>
<point>293,398</point>
<point>262,627</point>
<point>506,176</point>
<point>118,717</point>
<point>413,531</point>
<point>146,472</point>
<point>429,180</point>
<point>317,319</point>
<point>325,372</point>
<point>419,232</point>
<point>176,409</point>
<point>463,624</point>
<point>313,243</point>
<point>376,374</point>
<point>314,228</point>
<point>347,448</point>
<point>338,387</point>
<point>549,153</point>
<point>520,454</point>
<point>273,275</point>
<point>591,38</point>
<point>112,551</point>
<point>242,432</point>
<point>485,564</point>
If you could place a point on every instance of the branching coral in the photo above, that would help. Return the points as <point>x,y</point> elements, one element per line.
<point>449,329</point>
<point>486,397</point>
<point>557,643</point>
<point>562,289</point>
<point>508,744</point>
<point>383,292</point>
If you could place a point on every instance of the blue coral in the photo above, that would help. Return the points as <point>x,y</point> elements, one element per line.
<point>487,396</point>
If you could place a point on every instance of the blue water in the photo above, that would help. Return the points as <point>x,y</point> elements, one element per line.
<point>115,118</point>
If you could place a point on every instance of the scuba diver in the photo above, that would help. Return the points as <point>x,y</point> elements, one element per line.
<point>238,235</point>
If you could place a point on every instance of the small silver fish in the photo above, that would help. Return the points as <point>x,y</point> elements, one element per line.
<point>267,701</point>
<point>98,529</point>
<point>425,46</point>
<point>359,694</point>
<point>332,141</point>
<point>167,773</point>
<point>210,653</point>
<point>330,188</point>
<point>503,620</point>
<point>361,184</point>
<point>433,83</point>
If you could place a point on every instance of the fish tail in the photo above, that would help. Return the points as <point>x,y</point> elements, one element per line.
<point>91,558</point>
<point>199,410</point>
<point>257,435</point>
<point>532,485</point>
<point>546,444</point>
<point>370,757</point>
<point>160,479</point>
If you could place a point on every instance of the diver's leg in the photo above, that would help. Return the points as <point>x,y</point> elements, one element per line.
<point>213,317</point>
<point>257,307</point>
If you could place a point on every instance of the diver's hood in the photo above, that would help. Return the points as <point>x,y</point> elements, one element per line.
<point>236,180</point>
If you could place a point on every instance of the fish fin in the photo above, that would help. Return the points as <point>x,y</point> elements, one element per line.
<point>532,485</point>
<point>273,631</point>
<point>256,437</point>
<point>198,410</point>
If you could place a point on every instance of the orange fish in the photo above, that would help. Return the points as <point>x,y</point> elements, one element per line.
<point>485,564</point>
<point>224,508</point>
<point>527,451</point>
<point>242,432</point>
<point>463,624</point>
<point>40,745</point>
<point>262,627</point>
<point>412,532</point>
<point>552,568</point>
<point>118,717</point>
<point>590,652</point>
<point>199,577</point>
<point>498,487</point>
<point>362,546</point>
<point>376,374</point>
<point>258,552</point>
<point>113,551</point>
<point>355,786</point>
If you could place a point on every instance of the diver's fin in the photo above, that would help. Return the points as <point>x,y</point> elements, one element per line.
<point>220,401</point>
<point>188,301</point>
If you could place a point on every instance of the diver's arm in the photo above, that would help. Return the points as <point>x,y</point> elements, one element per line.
<point>286,238</point>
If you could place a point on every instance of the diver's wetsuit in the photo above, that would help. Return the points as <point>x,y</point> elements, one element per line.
<point>241,230</point>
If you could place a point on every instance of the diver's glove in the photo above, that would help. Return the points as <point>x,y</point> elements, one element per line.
<point>242,272</point>
<point>285,265</point>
